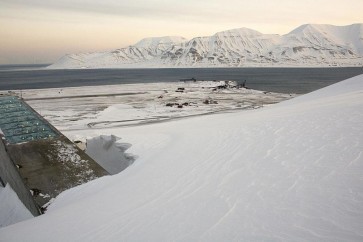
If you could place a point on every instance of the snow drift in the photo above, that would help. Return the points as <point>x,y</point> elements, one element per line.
<point>307,45</point>
<point>109,153</point>
<point>12,210</point>
<point>287,172</point>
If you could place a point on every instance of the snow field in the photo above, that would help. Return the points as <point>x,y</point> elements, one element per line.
<point>132,104</point>
<point>287,172</point>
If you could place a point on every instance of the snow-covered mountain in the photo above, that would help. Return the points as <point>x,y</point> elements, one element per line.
<point>307,45</point>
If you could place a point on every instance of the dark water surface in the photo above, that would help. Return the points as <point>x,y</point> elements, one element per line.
<point>286,80</point>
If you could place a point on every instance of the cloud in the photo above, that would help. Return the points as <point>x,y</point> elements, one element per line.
<point>236,13</point>
<point>136,8</point>
<point>212,11</point>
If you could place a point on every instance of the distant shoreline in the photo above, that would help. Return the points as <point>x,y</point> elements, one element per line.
<point>19,67</point>
<point>283,80</point>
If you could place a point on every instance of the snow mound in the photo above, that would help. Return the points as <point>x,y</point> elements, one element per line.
<point>288,172</point>
<point>109,153</point>
<point>12,210</point>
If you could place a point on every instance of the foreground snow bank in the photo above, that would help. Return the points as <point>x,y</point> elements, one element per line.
<point>12,210</point>
<point>288,172</point>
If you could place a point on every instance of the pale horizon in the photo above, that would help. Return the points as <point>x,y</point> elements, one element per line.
<point>34,32</point>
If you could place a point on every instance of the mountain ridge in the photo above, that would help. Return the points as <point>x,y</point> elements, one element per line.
<point>308,45</point>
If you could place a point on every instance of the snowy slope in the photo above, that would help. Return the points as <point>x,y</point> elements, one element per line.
<point>161,43</point>
<point>307,45</point>
<point>232,47</point>
<point>323,43</point>
<point>12,210</point>
<point>288,172</point>
<point>143,51</point>
<point>332,37</point>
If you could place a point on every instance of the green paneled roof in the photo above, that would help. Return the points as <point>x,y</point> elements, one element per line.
<point>19,123</point>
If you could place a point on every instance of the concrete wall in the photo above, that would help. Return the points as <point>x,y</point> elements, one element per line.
<point>9,174</point>
<point>51,166</point>
<point>47,166</point>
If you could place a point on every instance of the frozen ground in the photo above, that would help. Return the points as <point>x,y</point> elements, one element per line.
<point>287,172</point>
<point>98,107</point>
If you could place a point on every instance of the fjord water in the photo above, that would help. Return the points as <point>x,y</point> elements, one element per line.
<point>285,80</point>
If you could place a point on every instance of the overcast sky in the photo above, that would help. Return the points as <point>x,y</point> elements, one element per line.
<point>41,31</point>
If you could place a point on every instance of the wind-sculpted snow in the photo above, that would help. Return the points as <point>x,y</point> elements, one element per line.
<point>287,172</point>
<point>109,153</point>
<point>307,45</point>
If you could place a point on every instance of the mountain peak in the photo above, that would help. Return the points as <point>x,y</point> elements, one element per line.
<point>307,28</point>
<point>241,32</point>
<point>154,42</point>
<point>324,28</point>
<point>307,45</point>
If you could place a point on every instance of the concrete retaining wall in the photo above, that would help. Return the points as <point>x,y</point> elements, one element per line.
<point>9,174</point>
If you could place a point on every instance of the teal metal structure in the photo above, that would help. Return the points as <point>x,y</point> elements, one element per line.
<point>19,123</point>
